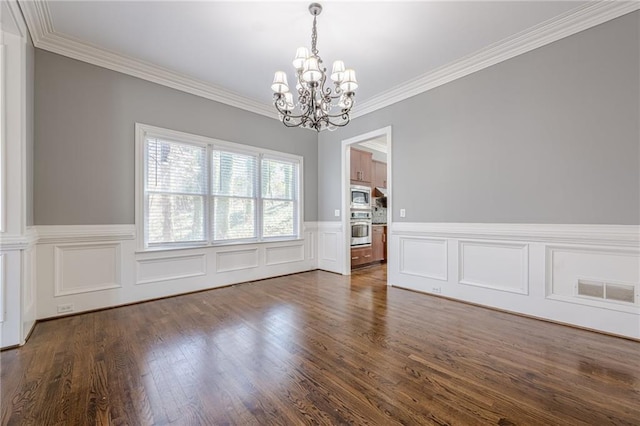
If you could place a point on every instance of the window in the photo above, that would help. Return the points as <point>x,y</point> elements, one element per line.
<point>200,191</point>
<point>175,192</point>
<point>279,189</point>
<point>234,195</point>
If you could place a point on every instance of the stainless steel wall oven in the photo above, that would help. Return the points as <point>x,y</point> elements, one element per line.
<point>361,227</point>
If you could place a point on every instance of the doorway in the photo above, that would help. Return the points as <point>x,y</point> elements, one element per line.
<point>375,147</point>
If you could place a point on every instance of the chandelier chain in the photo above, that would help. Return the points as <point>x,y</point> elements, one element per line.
<point>314,38</point>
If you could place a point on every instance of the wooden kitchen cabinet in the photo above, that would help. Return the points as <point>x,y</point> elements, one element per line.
<point>379,174</point>
<point>361,256</point>
<point>379,243</point>
<point>361,167</point>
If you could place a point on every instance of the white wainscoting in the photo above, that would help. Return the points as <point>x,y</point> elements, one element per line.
<point>528,269</point>
<point>331,243</point>
<point>166,268</point>
<point>477,262</point>
<point>81,268</point>
<point>236,260</point>
<point>567,264</point>
<point>86,267</point>
<point>284,254</point>
<point>424,257</point>
<point>17,290</point>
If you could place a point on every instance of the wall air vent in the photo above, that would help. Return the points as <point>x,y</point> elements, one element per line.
<point>591,289</point>
<point>615,292</point>
<point>620,293</point>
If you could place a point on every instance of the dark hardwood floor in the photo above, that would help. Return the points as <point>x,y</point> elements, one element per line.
<point>317,348</point>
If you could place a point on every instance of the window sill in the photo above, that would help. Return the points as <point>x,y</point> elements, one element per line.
<point>216,245</point>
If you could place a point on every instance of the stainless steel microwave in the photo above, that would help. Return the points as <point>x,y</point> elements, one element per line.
<point>360,197</point>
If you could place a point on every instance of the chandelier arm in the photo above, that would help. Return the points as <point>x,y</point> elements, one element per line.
<point>285,121</point>
<point>287,114</point>
<point>341,115</point>
<point>346,121</point>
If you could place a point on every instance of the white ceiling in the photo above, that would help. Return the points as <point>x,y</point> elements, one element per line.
<point>236,46</point>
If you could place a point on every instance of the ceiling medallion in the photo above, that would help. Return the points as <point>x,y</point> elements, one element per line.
<point>314,108</point>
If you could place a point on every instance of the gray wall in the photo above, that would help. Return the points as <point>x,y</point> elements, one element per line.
<point>29,133</point>
<point>84,150</point>
<point>550,136</point>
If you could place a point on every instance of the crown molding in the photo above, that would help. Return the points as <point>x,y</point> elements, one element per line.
<point>559,27</point>
<point>38,18</point>
<point>45,37</point>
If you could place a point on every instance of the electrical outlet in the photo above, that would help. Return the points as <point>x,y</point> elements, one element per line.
<point>63,309</point>
<point>403,212</point>
<point>436,290</point>
<point>336,213</point>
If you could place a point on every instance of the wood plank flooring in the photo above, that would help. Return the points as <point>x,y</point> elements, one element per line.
<point>317,348</point>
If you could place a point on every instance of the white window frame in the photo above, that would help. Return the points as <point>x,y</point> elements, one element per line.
<point>143,131</point>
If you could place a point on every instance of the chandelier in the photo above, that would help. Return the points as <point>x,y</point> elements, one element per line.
<point>317,107</point>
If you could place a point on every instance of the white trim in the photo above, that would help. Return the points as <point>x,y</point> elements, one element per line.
<point>614,235</point>
<point>346,183</point>
<point>559,27</point>
<point>593,13</point>
<point>139,179</point>
<point>13,242</point>
<point>63,234</point>
<point>15,238</point>
<point>19,242</point>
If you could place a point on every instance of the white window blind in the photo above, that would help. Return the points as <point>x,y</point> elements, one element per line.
<point>234,195</point>
<point>279,198</point>
<point>175,192</point>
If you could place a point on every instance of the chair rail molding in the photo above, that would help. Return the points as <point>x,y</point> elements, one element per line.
<point>61,234</point>
<point>616,235</point>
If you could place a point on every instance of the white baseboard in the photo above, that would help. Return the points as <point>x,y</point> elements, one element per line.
<point>524,268</point>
